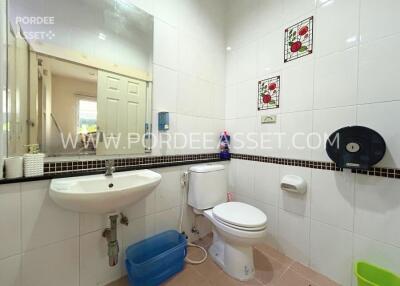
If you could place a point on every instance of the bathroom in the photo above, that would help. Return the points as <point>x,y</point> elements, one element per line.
<point>235,97</point>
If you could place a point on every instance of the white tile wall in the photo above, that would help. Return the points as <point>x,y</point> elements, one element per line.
<point>351,79</point>
<point>332,199</point>
<point>10,220</point>
<point>67,248</point>
<point>331,252</point>
<point>294,236</point>
<point>54,264</point>
<point>10,271</point>
<point>43,222</point>
<point>46,245</point>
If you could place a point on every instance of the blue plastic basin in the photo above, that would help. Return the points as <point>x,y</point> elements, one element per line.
<point>154,260</point>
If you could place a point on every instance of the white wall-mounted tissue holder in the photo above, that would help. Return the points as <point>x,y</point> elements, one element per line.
<point>294,184</point>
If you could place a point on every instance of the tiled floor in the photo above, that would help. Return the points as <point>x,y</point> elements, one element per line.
<point>272,269</point>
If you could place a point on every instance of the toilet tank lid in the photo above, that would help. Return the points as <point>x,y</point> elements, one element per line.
<point>206,168</point>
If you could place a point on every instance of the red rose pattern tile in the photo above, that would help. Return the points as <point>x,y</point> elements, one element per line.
<point>299,40</point>
<point>268,93</point>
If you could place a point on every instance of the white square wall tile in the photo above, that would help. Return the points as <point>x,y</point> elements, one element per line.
<point>245,98</point>
<point>270,56</point>
<point>331,252</point>
<point>43,221</point>
<point>94,267</point>
<point>138,230</point>
<point>297,87</point>
<point>243,135</point>
<point>325,122</point>
<point>246,61</point>
<point>165,45</point>
<point>335,82</point>
<point>294,202</point>
<point>167,220</point>
<point>55,264</point>
<point>241,23</point>
<point>332,198</point>
<point>270,16</point>
<point>382,117</point>
<point>266,183</point>
<point>344,33</point>
<point>377,209</point>
<point>91,222</point>
<point>269,141</point>
<point>295,130</point>
<point>165,90</point>
<point>230,101</point>
<point>10,220</point>
<point>144,207</point>
<point>293,236</point>
<point>379,71</point>
<point>296,8</point>
<point>168,193</point>
<point>272,223</point>
<point>385,19</point>
<point>10,271</point>
<point>167,10</point>
<point>244,178</point>
<point>378,253</point>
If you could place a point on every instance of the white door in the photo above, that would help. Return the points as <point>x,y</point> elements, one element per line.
<point>121,110</point>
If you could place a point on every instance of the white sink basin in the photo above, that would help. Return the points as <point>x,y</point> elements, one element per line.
<point>100,194</point>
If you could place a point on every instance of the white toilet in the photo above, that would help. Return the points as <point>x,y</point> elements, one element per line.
<point>236,226</point>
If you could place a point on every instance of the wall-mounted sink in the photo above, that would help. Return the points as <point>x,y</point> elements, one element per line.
<point>103,194</point>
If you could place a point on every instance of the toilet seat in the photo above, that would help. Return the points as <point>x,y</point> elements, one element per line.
<point>239,227</point>
<point>240,216</point>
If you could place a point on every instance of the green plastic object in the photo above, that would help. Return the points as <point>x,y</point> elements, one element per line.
<point>371,275</point>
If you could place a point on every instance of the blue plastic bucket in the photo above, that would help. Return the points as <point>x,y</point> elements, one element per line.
<point>154,260</point>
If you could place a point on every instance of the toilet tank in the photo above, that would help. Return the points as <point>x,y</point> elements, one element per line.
<point>207,186</point>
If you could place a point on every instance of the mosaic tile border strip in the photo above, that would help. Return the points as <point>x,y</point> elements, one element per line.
<point>375,171</point>
<point>125,163</point>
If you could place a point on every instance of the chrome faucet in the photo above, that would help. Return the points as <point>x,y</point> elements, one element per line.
<point>110,169</point>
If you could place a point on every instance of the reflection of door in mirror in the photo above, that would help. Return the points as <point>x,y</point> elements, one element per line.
<point>17,99</point>
<point>121,114</point>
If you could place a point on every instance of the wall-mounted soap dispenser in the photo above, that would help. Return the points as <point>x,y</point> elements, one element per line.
<point>163,121</point>
<point>356,147</point>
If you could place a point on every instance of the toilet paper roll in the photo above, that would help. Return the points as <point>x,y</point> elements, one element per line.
<point>14,167</point>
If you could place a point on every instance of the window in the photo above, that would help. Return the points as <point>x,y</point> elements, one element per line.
<point>87,116</point>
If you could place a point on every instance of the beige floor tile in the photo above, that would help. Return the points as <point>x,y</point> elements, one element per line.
<point>268,270</point>
<point>208,269</point>
<point>312,275</point>
<point>272,269</point>
<point>272,252</point>
<point>188,277</point>
<point>121,282</point>
<point>224,280</point>
<point>291,278</point>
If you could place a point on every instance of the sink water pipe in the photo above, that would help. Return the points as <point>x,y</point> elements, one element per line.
<point>110,234</point>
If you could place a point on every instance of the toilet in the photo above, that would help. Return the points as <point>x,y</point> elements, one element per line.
<point>237,227</point>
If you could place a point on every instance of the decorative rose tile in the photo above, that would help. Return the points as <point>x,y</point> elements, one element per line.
<point>299,40</point>
<point>268,93</point>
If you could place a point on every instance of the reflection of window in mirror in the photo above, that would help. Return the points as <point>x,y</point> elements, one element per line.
<point>86,121</point>
<point>87,115</point>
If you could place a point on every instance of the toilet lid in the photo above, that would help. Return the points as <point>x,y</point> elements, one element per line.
<point>240,214</point>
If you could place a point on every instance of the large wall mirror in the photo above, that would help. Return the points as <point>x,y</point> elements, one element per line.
<point>79,77</point>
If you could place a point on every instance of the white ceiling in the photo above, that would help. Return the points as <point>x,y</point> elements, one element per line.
<point>67,69</point>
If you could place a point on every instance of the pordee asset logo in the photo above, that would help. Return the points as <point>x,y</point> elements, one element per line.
<point>30,23</point>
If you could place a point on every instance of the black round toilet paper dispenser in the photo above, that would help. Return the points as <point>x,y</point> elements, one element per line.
<point>355,147</point>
